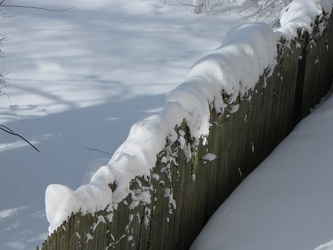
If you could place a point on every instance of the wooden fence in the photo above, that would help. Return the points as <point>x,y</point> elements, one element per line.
<point>185,193</point>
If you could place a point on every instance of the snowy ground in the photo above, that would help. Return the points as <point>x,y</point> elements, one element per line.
<point>79,79</point>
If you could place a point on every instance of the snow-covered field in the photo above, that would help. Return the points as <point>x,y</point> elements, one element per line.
<point>79,79</point>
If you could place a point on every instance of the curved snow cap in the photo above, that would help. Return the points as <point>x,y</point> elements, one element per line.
<point>301,14</point>
<point>327,246</point>
<point>61,201</point>
<point>234,68</point>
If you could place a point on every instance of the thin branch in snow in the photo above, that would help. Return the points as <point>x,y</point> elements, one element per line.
<point>10,104</point>
<point>164,3</point>
<point>11,132</point>
<point>228,7</point>
<point>2,92</point>
<point>97,150</point>
<point>31,7</point>
<point>261,9</point>
<point>191,5</point>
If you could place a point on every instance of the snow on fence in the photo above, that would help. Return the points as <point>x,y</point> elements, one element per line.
<point>175,169</point>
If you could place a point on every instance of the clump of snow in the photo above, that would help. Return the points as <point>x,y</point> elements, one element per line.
<point>89,237</point>
<point>234,109</point>
<point>209,157</point>
<point>233,69</point>
<point>100,219</point>
<point>61,201</point>
<point>300,15</point>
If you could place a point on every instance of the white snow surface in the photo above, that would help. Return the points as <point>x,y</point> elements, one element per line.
<point>327,246</point>
<point>286,202</point>
<point>209,157</point>
<point>299,14</point>
<point>79,79</point>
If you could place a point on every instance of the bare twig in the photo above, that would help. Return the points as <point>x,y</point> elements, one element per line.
<point>34,7</point>
<point>31,7</point>
<point>11,132</point>
<point>164,3</point>
<point>262,8</point>
<point>2,92</point>
<point>97,150</point>
<point>10,104</point>
<point>191,5</point>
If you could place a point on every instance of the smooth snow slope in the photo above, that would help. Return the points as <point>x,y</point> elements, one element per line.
<point>79,79</point>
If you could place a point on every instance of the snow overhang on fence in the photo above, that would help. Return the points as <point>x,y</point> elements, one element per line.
<point>233,69</point>
<point>300,15</point>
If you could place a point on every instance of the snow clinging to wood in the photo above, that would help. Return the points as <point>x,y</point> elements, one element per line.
<point>234,68</point>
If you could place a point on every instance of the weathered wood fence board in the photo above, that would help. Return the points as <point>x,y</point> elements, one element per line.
<point>318,70</point>
<point>185,194</point>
